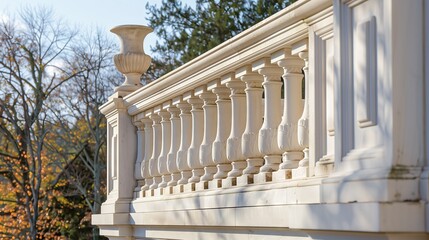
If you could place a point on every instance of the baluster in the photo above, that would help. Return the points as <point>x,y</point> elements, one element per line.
<point>210,121</point>
<point>166,141</point>
<point>288,129</point>
<point>175,144</point>
<point>185,140</point>
<point>272,116</point>
<point>234,151</point>
<point>153,162</point>
<point>223,129</point>
<point>303,123</point>
<point>139,159</point>
<point>197,137</point>
<point>148,148</point>
<point>249,142</point>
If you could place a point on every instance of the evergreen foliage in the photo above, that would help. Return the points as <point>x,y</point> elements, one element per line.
<point>187,32</point>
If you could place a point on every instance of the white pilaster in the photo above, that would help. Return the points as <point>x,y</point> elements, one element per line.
<point>122,141</point>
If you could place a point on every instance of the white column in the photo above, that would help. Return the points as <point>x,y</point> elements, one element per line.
<point>175,144</point>
<point>223,129</point>
<point>153,162</point>
<point>292,110</point>
<point>234,151</point>
<point>185,139</point>
<point>148,148</point>
<point>197,137</point>
<point>165,148</point>
<point>140,154</point>
<point>304,120</point>
<point>267,141</point>
<point>210,122</point>
<point>253,123</point>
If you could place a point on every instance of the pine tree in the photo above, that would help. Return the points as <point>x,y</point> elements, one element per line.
<point>187,32</point>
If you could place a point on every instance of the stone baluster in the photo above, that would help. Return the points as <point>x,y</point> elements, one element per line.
<point>303,123</point>
<point>210,121</point>
<point>292,109</point>
<point>197,137</point>
<point>234,151</point>
<point>267,140</point>
<point>140,154</point>
<point>165,148</point>
<point>253,123</point>
<point>174,146</point>
<point>148,148</point>
<point>185,140</point>
<point>223,129</point>
<point>153,162</point>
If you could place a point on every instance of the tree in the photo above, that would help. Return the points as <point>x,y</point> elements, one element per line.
<point>186,32</point>
<point>83,127</point>
<point>32,69</point>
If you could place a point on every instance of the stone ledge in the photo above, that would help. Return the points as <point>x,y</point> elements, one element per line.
<point>357,217</point>
<point>110,219</point>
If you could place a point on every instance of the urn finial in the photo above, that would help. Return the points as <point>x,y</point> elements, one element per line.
<point>131,61</point>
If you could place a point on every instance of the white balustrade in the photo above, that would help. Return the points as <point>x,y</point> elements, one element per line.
<point>174,146</point>
<point>157,141</point>
<point>185,140</point>
<point>148,148</point>
<point>165,148</point>
<point>267,141</point>
<point>254,157</point>
<point>234,151</point>
<point>292,110</point>
<point>223,103</point>
<point>210,121</point>
<point>197,137</point>
<point>303,124</point>
<point>140,154</point>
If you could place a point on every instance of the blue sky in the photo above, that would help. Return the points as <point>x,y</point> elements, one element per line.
<point>102,13</point>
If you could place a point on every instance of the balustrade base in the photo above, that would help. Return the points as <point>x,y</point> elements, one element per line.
<point>209,172</point>
<point>203,185</point>
<point>165,180</point>
<point>253,165</point>
<point>263,177</point>
<point>282,175</point>
<point>156,182</point>
<point>237,169</point>
<point>244,180</point>
<point>229,182</point>
<point>174,178</point>
<point>196,175</point>
<point>185,177</point>
<point>190,187</point>
<point>177,189</point>
<point>271,163</point>
<point>215,184</point>
<point>167,191</point>
<point>324,167</point>
<point>300,172</point>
